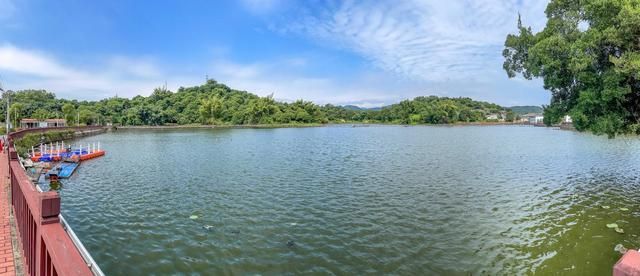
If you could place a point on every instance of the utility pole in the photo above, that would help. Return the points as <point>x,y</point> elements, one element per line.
<point>7,117</point>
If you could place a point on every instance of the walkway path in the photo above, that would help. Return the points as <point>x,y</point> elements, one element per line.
<point>7,266</point>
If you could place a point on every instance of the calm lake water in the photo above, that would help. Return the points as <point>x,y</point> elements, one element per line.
<point>365,200</point>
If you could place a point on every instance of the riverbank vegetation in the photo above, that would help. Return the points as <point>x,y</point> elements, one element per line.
<point>214,103</point>
<point>588,55</point>
<point>24,144</point>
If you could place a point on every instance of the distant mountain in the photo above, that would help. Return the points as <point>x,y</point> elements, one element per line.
<point>520,110</point>
<point>354,107</point>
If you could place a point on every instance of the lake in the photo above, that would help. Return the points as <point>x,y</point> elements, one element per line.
<point>366,200</point>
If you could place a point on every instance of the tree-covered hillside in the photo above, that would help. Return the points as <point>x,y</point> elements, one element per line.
<point>436,110</point>
<point>216,103</point>
<point>521,110</point>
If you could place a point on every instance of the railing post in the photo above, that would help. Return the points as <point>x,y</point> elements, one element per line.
<point>49,203</point>
<point>13,154</point>
<point>49,207</point>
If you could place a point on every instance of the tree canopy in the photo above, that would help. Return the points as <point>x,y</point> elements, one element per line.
<point>588,56</point>
<point>216,103</point>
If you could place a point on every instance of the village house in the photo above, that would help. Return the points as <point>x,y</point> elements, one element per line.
<point>532,118</point>
<point>493,116</point>
<point>35,123</point>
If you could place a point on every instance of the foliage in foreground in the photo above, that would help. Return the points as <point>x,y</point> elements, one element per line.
<point>215,103</point>
<point>589,58</point>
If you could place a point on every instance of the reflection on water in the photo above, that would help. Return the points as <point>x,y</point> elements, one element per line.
<point>402,200</point>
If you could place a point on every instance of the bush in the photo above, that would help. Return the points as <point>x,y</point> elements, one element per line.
<point>24,144</point>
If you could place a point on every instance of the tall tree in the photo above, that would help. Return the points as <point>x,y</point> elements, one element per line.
<point>16,113</point>
<point>69,112</point>
<point>40,114</point>
<point>588,55</point>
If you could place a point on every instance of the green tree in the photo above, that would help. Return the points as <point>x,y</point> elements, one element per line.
<point>510,116</point>
<point>216,103</point>
<point>588,56</point>
<point>40,114</point>
<point>16,112</point>
<point>87,115</point>
<point>69,112</point>
<point>211,110</point>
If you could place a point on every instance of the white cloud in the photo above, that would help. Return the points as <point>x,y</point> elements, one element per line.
<point>283,79</point>
<point>143,68</point>
<point>31,62</point>
<point>286,78</point>
<point>31,69</point>
<point>427,40</point>
<point>367,88</point>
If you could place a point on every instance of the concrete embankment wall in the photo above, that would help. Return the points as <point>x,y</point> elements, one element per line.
<point>78,131</point>
<point>82,133</point>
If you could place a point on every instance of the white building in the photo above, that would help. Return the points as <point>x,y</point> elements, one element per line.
<point>493,116</point>
<point>532,118</point>
<point>34,123</point>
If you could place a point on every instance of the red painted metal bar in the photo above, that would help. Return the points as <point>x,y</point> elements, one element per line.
<point>46,247</point>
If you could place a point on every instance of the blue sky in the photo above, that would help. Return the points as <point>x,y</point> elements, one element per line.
<point>367,53</point>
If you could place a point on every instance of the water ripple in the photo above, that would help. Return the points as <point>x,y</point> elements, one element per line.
<point>337,200</point>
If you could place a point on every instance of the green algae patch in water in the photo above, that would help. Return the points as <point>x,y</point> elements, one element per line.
<point>612,225</point>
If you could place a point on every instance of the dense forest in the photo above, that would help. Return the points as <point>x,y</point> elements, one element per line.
<point>216,103</point>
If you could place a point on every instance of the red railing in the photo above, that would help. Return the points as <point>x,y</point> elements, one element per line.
<point>46,247</point>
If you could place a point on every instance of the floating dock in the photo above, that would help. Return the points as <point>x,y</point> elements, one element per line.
<point>66,169</point>
<point>57,152</point>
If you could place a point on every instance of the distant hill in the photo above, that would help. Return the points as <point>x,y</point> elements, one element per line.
<point>216,103</point>
<point>520,110</point>
<point>357,108</point>
<point>435,110</point>
<point>352,107</point>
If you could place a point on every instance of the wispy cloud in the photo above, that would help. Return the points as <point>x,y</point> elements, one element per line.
<point>126,76</point>
<point>137,67</point>
<point>428,40</point>
<point>34,63</point>
<point>32,69</point>
<point>283,79</point>
<point>447,48</point>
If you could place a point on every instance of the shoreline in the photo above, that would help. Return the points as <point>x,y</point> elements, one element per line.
<point>220,126</point>
<point>355,124</point>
